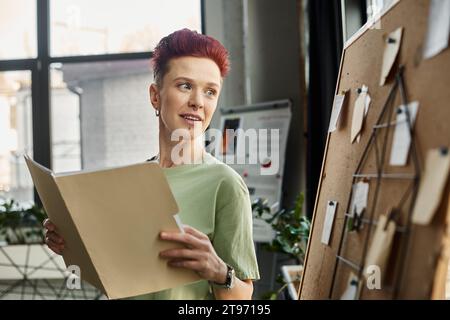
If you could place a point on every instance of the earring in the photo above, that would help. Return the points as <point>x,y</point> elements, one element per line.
<point>157,112</point>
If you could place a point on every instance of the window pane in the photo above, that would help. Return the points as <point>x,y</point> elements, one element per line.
<point>81,27</point>
<point>375,7</point>
<point>101,115</point>
<point>65,129</point>
<point>16,135</point>
<point>18,29</point>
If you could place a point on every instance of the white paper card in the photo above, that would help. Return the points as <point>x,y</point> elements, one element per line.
<point>179,224</point>
<point>432,185</point>
<point>329,220</point>
<point>335,114</point>
<point>359,198</point>
<point>391,49</point>
<point>402,136</point>
<point>368,101</point>
<point>359,112</point>
<point>351,292</point>
<point>366,111</point>
<point>438,28</point>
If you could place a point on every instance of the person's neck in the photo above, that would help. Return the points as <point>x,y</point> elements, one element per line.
<point>190,152</point>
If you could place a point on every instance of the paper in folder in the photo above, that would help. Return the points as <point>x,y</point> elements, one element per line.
<point>110,220</point>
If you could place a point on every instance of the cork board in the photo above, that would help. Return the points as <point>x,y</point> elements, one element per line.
<point>426,81</point>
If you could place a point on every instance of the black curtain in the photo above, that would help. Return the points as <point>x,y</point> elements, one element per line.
<point>325,48</point>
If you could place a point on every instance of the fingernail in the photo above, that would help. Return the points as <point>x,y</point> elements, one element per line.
<point>163,234</point>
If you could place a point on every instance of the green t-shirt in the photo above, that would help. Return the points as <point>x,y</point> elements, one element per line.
<point>214,199</point>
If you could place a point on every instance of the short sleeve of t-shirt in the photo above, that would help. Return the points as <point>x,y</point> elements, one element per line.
<point>233,239</point>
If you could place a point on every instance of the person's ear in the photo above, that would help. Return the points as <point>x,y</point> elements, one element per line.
<point>154,96</point>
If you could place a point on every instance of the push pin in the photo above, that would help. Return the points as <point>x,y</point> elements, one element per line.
<point>359,90</point>
<point>444,151</point>
<point>330,203</point>
<point>391,40</point>
<point>399,111</point>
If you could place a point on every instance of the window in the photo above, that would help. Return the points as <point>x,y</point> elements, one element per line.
<point>101,114</point>
<point>16,135</point>
<point>375,7</point>
<point>18,29</point>
<point>85,104</point>
<point>85,27</point>
<point>65,119</point>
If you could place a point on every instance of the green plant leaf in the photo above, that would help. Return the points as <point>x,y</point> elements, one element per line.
<point>291,228</point>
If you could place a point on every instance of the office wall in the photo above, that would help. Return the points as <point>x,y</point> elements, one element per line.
<point>263,39</point>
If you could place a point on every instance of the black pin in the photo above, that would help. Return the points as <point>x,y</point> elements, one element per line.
<point>391,40</point>
<point>444,151</point>
<point>357,220</point>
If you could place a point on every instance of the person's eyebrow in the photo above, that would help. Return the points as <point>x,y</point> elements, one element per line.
<point>209,84</point>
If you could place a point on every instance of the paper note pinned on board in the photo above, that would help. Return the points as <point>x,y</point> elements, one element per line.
<point>360,195</point>
<point>438,33</point>
<point>360,110</point>
<point>366,111</point>
<point>329,220</point>
<point>402,135</point>
<point>367,104</point>
<point>391,49</point>
<point>339,101</point>
<point>432,184</point>
<point>380,247</point>
<point>353,287</point>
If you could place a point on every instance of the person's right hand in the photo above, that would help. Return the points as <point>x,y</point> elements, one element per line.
<point>53,240</point>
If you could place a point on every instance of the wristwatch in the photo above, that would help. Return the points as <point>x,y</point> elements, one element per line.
<point>229,282</point>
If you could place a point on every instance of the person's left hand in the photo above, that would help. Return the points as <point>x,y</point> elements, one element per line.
<point>199,254</point>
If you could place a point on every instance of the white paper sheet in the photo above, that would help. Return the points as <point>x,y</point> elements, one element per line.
<point>329,220</point>
<point>335,114</point>
<point>392,47</point>
<point>366,111</point>
<point>179,223</point>
<point>360,110</point>
<point>402,136</point>
<point>438,28</point>
<point>351,292</point>
<point>359,198</point>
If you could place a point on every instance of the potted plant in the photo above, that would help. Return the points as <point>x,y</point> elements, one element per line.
<point>292,230</point>
<point>22,244</point>
<point>19,225</point>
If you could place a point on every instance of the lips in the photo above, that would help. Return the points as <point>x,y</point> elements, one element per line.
<point>191,117</point>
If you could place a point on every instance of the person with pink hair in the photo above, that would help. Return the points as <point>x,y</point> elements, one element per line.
<point>189,69</point>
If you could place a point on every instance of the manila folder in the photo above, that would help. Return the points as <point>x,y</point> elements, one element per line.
<point>110,220</point>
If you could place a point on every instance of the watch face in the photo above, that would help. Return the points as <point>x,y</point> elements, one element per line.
<point>230,277</point>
